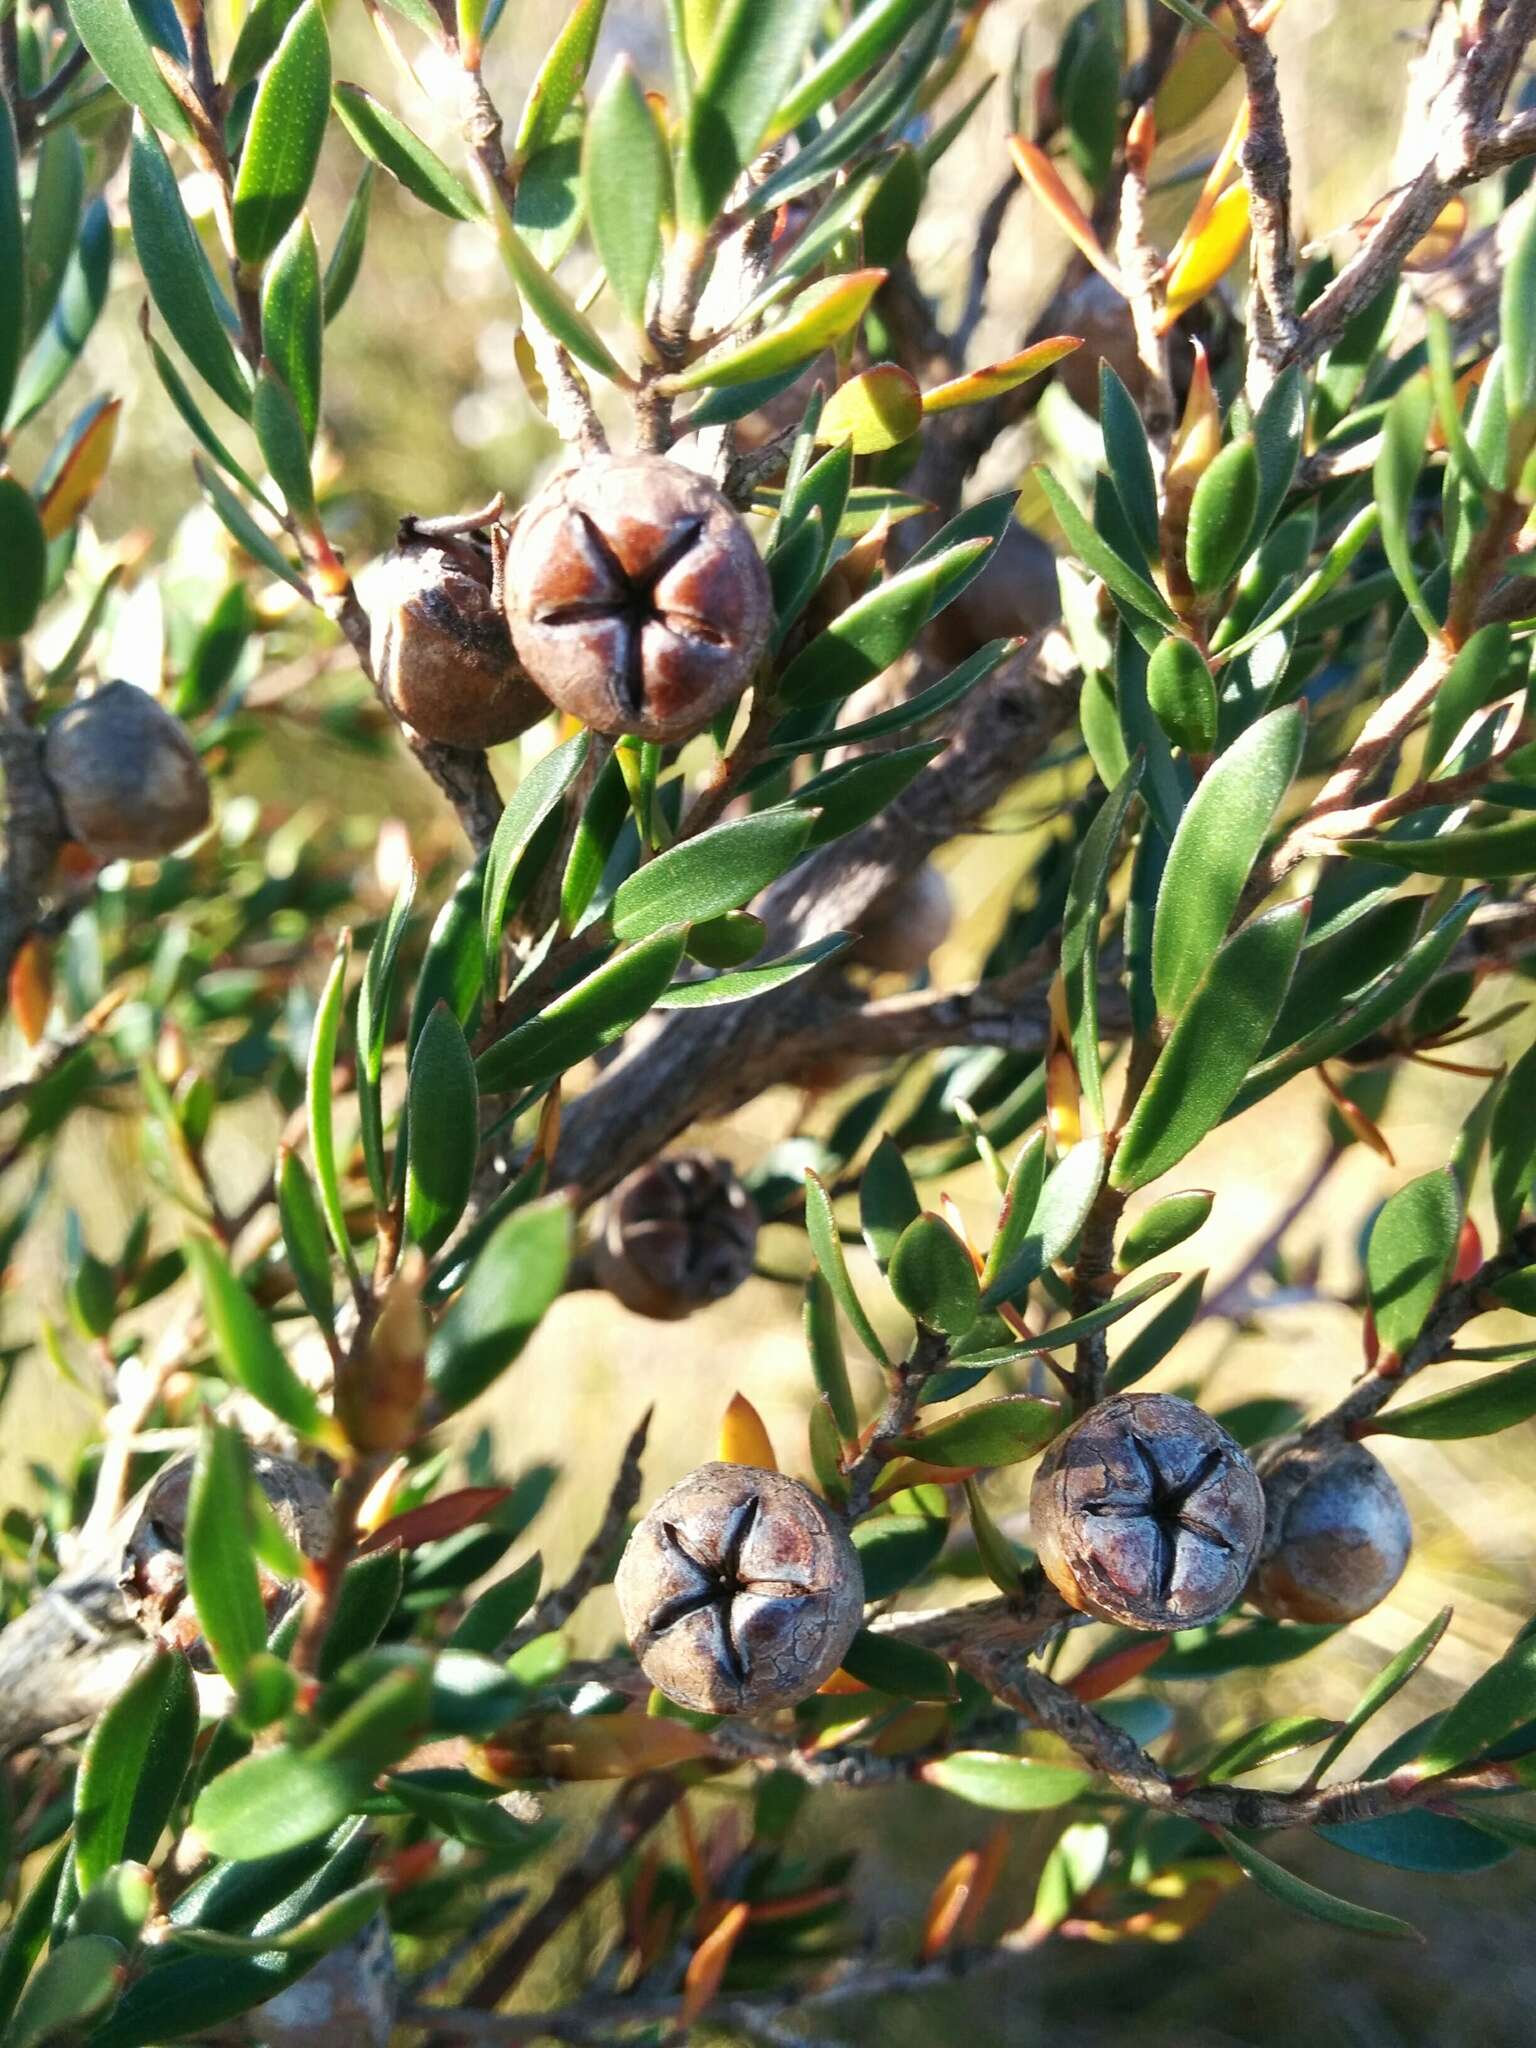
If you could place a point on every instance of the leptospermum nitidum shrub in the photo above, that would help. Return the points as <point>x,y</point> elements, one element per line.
<point>258,1723</point>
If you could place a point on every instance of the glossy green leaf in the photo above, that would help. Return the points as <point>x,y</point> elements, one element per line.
<point>753,56</point>
<point>452,969</point>
<point>1482,1409</point>
<point>1060,1335</point>
<point>559,78</point>
<point>13,264</point>
<point>1097,555</point>
<point>1404,432</point>
<point>221,641</point>
<point>1219,1034</point>
<point>998,1557</point>
<point>1386,1685</point>
<point>997,1432</point>
<point>133,1765</point>
<point>1182,693</point>
<point>825,1449</point>
<point>1287,1889</point>
<point>443,1130</point>
<point>320,1097</point>
<point>284,444</point>
<point>888,1201</point>
<point>81,295</point>
<point>878,628</point>
<point>1221,515</point>
<point>1329,573</point>
<point>244,528</point>
<point>932,1276</point>
<point>741,984</point>
<point>529,806</point>
<point>29,1926</point>
<point>1440,1843</point>
<point>1472,852</point>
<point>1479,673</point>
<point>512,1282</point>
<point>347,256</point>
<point>624,174</point>
<point>829,1368</point>
<point>1512,1144</point>
<point>245,1346</point>
<point>1503,1699</point>
<point>896,1549</point>
<point>821,315</point>
<point>283,136</point>
<point>874,31</point>
<point>113,32</point>
<point>1279,431</point>
<point>293,320</point>
<point>118,1905</point>
<point>549,208</point>
<point>53,225</point>
<point>911,711</point>
<point>1408,1256</point>
<point>1007,1784</point>
<point>374,994</point>
<point>24,550</point>
<point>381,135</point>
<point>1167,1223</point>
<point>1021,1197</point>
<point>1281,1737</point>
<point>276,1800</point>
<point>75,1984</point>
<point>492,1617</point>
<point>827,1250</point>
<point>260,33</point>
<point>878,409</point>
<point>585,1018</point>
<point>1129,458</point>
<point>905,1670</point>
<point>1517,322</point>
<point>1087,895</point>
<point>552,303</point>
<point>719,870</point>
<point>1059,1215</point>
<point>177,274</point>
<point>221,1566</point>
<point>1217,842</point>
<point>848,795</point>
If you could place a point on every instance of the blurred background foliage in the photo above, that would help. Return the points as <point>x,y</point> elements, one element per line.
<point>426,411</point>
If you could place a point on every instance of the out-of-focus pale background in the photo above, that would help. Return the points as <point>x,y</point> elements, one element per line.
<point>426,412</point>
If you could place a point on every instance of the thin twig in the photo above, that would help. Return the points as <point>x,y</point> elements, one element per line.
<point>561,1602</point>
<point>1266,162</point>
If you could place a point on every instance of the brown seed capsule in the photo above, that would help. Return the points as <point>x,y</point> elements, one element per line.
<point>153,1575</point>
<point>442,651</point>
<point>637,599</point>
<point>909,926</point>
<point>676,1235</point>
<point>739,1591</point>
<point>1147,1513</point>
<point>1336,1533</point>
<point>128,779</point>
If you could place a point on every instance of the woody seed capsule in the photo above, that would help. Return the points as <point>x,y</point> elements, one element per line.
<point>675,1235</point>
<point>128,779</point>
<point>1336,1533</point>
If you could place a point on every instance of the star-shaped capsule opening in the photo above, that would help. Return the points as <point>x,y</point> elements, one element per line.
<point>1170,1507</point>
<point>712,1586</point>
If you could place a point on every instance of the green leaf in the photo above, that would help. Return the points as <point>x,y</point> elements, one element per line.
<point>585,1018</point>
<point>53,225</point>
<point>1408,1255</point>
<point>1279,432</point>
<point>133,1765</point>
<point>381,135</point>
<point>1517,322</point>
<point>1214,849</point>
<point>999,1559</point>
<point>373,1003</point>
<point>118,1905</point>
<point>1404,432</point>
<point>999,1432</point>
<point>1182,693</point>
<point>1219,1034</point>
<point>896,1549</point>
<point>28,1928</point>
<point>246,1348</point>
<point>221,1566</point>
<point>1087,894</point>
<point>1484,1408</point>
<point>276,1800</point>
<point>931,1275</point>
<point>24,550</point>
<point>549,207</point>
<point>1512,1144</point>
<point>911,711</point>
<point>1277,1738</point>
<point>1097,555</point>
<point>1007,1784</point>
<point>559,77</point>
<point>888,1201</point>
<point>1021,1197</point>
<point>1414,1840</point>
<point>176,272</point>
<point>293,320</point>
<point>283,441</point>
<point>827,1251</point>
<point>531,803</point>
<point>877,409</point>
<point>347,255</point>
<point>1287,1889</point>
<point>81,297</point>
<point>1386,1685</point>
<point>905,1670</point>
<point>1473,680</point>
<point>191,1995</point>
<point>624,174</point>
<point>492,1617</point>
<point>111,30</point>
<point>221,641</point>
<point>754,54</point>
<point>1062,1334</point>
<point>719,870</point>
<point>743,983</point>
<point>453,967</point>
<point>244,528</point>
<point>1221,516</point>
<point>444,1130</point>
<point>829,1369</point>
<point>260,33</point>
<point>1473,853</point>
<point>13,260</point>
<point>874,30</point>
<point>283,137</point>
<point>1167,1223</point>
<point>78,1981</point>
<point>848,795</point>
<point>821,315</point>
<point>1058,1219</point>
<point>1129,458</point>
<point>512,1282</point>
<point>1491,1708</point>
<point>552,304</point>
<point>878,628</point>
<point>826,1451</point>
<point>320,1098</point>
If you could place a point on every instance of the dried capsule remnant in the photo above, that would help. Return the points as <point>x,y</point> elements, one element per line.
<point>1147,1513</point>
<point>153,1571</point>
<point>637,599</point>
<point>739,1591</point>
<point>908,928</point>
<point>128,779</point>
<point>442,651</point>
<point>676,1235</point>
<point>1336,1533</point>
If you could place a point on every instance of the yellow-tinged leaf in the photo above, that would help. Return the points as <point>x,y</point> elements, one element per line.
<point>949,1209</point>
<point>947,1904</point>
<point>1209,255</point>
<point>1198,441</point>
<point>1063,1084</point>
<point>81,467</point>
<point>820,316</point>
<point>708,1963</point>
<point>1355,1120</point>
<point>379,1501</point>
<point>743,1439</point>
<point>528,370</point>
<point>31,990</point>
<point>1203,67</point>
<point>1442,238</point>
<point>1210,191</point>
<point>588,1746</point>
<point>842,1684</point>
<point>915,1729</point>
<point>878,409</point>
<point>907,1472</point>
<point>1050,188</point>
<point>993,378</point>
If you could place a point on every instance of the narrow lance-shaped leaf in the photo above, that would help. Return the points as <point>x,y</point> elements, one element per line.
<point>121,51</point>
<point>177,275</point>
<point>1387,1683</point>
<point>1081,919</point>
<point>827,1250</point>
<point>24,549</point>
<point>559,77</point>
<point>888,1201</point>
<point>1494,1705</point>
<point>624,175</point>
<point>1473,853</point>
<point>586,1018</point>
<point>991,380</point>
<point>246,1348</point>
<point>1403,434</point>
<point>133,1766</point>
<point>878,628</point>
<point>283,137</point>
<point>874,30</point>
<point>1096,554</point>
<point>381,135</point>
<point>319,1095</point>
<point>283,441</point>
<point>1065,1200</point>
<point>1287,1889</point>
<point>754,54</point>
<point>304,1237</point>
<point>13,268</point>
<point>347,256</point>
<point>720,870</point>
<point>221,1566</point>
<point>743,983</point>
<point>529,805</point>
<point>293,320</point>
<point>821,315</point>
<point>932,1276</point>
<point>551,303</point>
<point>1512,1144</point>
<point>81,295</point>
<point>443,1130</point>
<point>1482,1409</point>
<point>992,1433</point>
<point>829,1368</point>
<point>512,1282</point>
